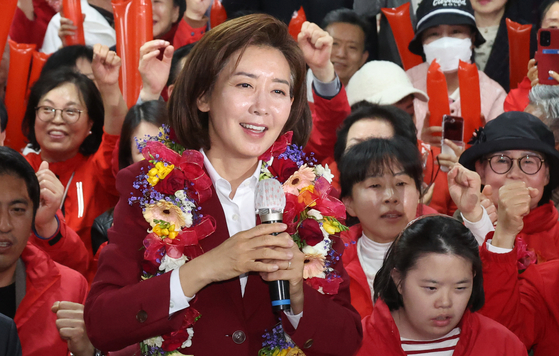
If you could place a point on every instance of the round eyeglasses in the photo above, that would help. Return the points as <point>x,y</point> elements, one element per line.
<point>48,113</point>
<point>502,164</point>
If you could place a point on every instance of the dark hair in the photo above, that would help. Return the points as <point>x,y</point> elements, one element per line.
<point>347,16</point>
<point>374,157</point>
<point>153,112</point>
<point>210,56</point>
<point>545,7</point>
<point>89,94</point>
<point>14,164</point>
<point>176,68</point>
<point>400,120</point>
<point>3,116</point>
<point>182,8</point>
<point>67,57</point>
<point>429,234</point>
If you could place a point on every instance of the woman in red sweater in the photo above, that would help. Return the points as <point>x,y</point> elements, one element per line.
<point>381,185</point>
<point>427,294</point>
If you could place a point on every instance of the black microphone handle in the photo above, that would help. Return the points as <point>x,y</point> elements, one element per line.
<point>279,290</point>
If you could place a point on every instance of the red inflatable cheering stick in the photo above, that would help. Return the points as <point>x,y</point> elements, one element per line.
<point>39,60</point>
<point>402,28</point>
<point>297,22</point>
<point>217,14</point>
<point>7,11</point>
<point>72,10</point>
<point>134,27</point>
<point>519,51</point>
<point>438,94</point>
<point>20,60</point>
<point>470,100</point>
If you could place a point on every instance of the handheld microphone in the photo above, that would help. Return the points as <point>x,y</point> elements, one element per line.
<point>269,202</point>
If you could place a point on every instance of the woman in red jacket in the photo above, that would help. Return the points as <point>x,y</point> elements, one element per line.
<point>242,87</point>
<point>381,185</point>
<point>427,294</point>
<point>74,125</point>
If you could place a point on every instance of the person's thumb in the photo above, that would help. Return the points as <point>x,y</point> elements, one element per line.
<point>487,191</point>
<point>533,192</point>
<point>44,165</point>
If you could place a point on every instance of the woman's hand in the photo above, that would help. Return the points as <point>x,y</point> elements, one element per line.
<point>464,187</point>
<point>533,72</point>
<point>154,71</point>
<point>514,204</point>
<point>67,28</point>
<point>105,66</point>
<point>446,160</point>
<point>51,197</point>
<point>253,250</point>
<point>487,202</point>
<point>292,271</point>
<point>71,327</point>
<point>428,132</point>
<point>316,45</point>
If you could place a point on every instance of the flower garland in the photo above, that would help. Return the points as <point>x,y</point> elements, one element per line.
<point>313,218</point>
<point>170,193</point>
<point>174,186</point>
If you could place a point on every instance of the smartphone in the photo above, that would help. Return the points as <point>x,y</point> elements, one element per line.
<point>453,130</point>
<point>547,55</point>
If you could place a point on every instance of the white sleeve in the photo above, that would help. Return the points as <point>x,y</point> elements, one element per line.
<point>496,249</point>
<point>294,319</point>
<point>178,300</point>
<point>51,42</point>
<point>481,228</point>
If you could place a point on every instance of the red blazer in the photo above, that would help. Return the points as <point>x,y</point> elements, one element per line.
<point>117,298</point>
<point>479,336</point>
<point>46,283</point>
<point>526,303</point>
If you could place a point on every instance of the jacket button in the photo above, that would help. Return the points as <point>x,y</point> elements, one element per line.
<point>239,337</point>
<point>142,316</point>
<point>308,344</point>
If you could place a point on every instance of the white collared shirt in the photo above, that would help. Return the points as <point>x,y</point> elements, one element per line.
<point>240,215</point>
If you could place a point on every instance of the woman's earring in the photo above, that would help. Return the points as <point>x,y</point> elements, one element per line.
<point>90,132</point>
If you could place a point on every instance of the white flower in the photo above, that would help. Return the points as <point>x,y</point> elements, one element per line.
<point>154,341</point>
<point>186,207</point>
<point>315,214</point>
<point>188,342</point>
<point>324,172</point>
<point>320,248</point>
<point>170,264</point>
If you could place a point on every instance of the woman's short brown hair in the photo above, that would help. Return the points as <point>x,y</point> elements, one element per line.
<point>208,58</point>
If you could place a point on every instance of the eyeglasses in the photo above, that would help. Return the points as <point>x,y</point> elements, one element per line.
<point>48,113</point>
<point>528,164</point>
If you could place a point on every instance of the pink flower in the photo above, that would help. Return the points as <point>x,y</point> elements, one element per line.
<point>314,265</point>
<point>299,180</point>
<point>164,211</point>
<point>525,257</point>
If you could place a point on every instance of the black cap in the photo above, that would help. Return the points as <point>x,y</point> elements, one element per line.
<point>514,130</point>
<point>431,13</point>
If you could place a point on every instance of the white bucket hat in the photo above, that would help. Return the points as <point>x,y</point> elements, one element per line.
<point>381,82</point>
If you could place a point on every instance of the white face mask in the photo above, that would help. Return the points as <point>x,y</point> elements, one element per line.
<point>448,51</point>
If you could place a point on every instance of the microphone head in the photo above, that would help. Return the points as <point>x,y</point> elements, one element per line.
<point>269,196</point>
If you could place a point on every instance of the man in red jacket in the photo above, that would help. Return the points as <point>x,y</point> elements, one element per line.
<point>43,297</point>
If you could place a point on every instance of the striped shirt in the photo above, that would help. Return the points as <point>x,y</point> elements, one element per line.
<point>443,346</point>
